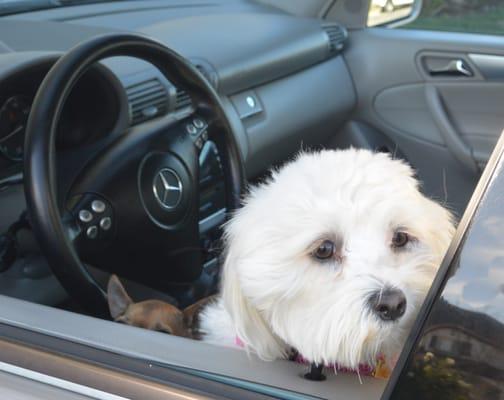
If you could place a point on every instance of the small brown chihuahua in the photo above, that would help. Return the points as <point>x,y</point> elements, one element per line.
<point>154,314</point>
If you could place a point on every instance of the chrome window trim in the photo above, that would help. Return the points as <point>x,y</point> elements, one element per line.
<point>59,383</point>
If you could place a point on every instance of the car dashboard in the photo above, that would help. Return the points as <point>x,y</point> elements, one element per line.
<point>281,78</point>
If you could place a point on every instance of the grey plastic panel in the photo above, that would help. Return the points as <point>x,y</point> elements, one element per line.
<point>460,150</point>
<point>477,112</point>
<point>28,35</point>
<point>390,84</point>
<point>292,44</point>
<point>386,81</point>
<point>474,108</point>
<point>491,66</point>
<point>165,349</point>
<point>405,108</point>
<point>300,111</point>
<point>146,11</point>
<point>16,61</point>
<point>384,58</point>
<point>304,8</point>
<point>351,13</point>
<point>271,44</point>
<point>4,48</point>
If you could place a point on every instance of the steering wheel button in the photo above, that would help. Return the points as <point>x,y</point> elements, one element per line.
<point>92,232</point>
<point>191,129</point>
<point>98,206</point>
<point>198,123</point>
<point>105,223</point>
<point>85,216</point>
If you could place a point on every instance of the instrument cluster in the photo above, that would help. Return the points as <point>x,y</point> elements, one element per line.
<point>91,112</point>
<point>14,112</point>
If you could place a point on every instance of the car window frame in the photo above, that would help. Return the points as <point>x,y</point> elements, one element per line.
<point>484,185</point>
<point>108,371</point>
<point>58,332</point>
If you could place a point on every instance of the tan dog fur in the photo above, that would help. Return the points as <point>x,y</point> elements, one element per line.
<point>154,314</point>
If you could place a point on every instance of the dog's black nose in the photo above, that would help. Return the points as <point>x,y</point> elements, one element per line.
<point>388,304</point>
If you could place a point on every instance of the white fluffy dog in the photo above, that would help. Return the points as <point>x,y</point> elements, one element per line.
<point>332,256</point>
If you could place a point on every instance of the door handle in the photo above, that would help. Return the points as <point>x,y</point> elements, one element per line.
<point>453,68</point>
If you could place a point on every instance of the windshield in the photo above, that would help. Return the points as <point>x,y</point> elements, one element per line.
<point>17,6</point>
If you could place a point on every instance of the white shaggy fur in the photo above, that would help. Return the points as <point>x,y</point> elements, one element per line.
<point>277,296</point>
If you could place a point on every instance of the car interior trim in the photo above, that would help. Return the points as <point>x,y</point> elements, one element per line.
<point>60,383</point>
<point>117,374</point>
<point>157,348</point>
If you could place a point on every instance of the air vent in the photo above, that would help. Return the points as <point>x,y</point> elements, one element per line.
<point>147,99</point>
<point>337,37</point>
<point>183,100</point>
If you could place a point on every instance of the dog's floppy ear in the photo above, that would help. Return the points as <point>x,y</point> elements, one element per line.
<point>250,326</point>
<point>118,299</point>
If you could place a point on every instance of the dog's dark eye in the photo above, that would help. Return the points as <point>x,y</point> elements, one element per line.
<point>400,239</point>
<point>325,250</point>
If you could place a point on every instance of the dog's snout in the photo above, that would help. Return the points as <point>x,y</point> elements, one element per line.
<point>388,304</point>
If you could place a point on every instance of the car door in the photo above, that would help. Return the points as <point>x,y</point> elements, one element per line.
<point>432,94</point>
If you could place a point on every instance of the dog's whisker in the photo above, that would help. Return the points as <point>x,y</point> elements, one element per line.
<point>358,375</point>
<point>380,295</point>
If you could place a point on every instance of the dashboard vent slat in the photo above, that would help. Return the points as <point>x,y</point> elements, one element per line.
<point>337,36</point>
<point>147,100</point>
<point>150,99</point>
<point>183,100</point>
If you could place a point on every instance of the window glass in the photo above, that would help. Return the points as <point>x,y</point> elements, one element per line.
<point>459,354</point>
<point>382,12</point>
<point>471,16</point>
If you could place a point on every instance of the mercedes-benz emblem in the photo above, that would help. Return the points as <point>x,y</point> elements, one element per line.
<point>167,188</point>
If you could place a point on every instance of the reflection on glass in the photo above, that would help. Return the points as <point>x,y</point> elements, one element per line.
<point>461,351</point>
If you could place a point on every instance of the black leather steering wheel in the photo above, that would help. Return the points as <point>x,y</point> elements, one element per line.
<point>133,209</point>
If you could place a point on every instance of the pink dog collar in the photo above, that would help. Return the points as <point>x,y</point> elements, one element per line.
<point>239,342</point>
<point>381,370</point>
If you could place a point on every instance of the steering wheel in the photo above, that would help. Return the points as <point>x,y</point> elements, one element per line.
<point>133,208</point>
